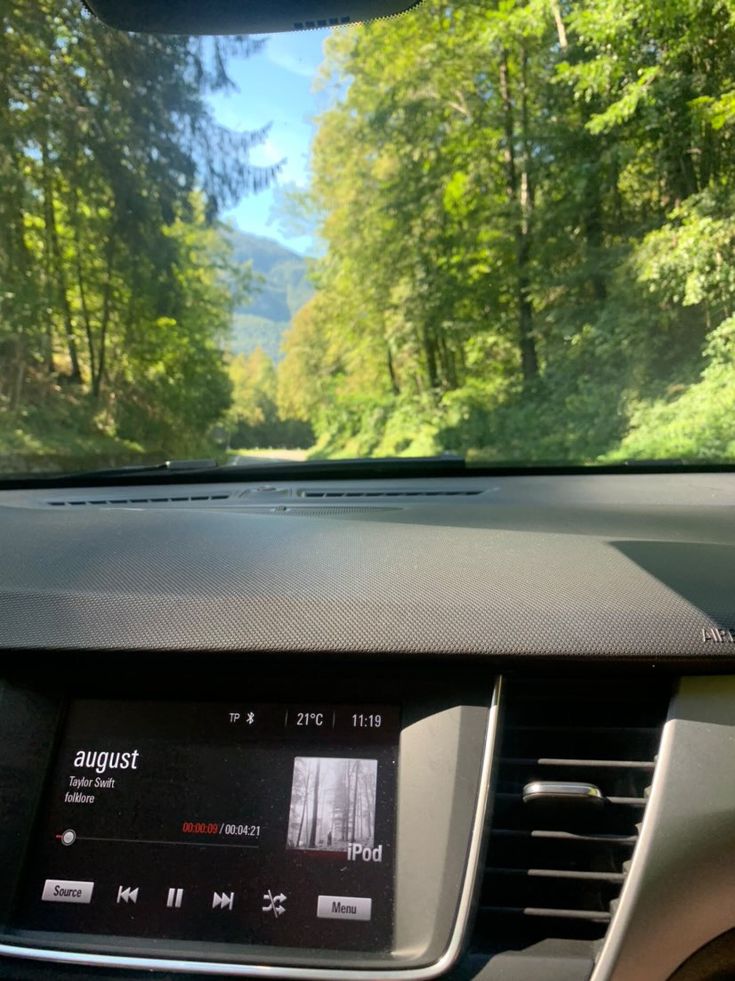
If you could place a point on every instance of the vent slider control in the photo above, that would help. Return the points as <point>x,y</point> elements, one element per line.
<point>562,792</point>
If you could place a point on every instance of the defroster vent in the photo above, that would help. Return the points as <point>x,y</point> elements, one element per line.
<point>583,755</point>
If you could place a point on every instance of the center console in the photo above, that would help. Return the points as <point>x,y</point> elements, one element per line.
<point>235,824</point>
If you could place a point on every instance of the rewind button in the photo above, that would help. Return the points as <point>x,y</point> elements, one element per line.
<point>127,894</point>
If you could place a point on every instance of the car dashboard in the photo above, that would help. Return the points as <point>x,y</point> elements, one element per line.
<point>469,727</point>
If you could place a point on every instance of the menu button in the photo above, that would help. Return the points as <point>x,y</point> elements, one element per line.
<point>344,908</point>
<point>67,891</point>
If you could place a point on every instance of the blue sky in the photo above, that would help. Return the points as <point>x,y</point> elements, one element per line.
<point>275,86</point>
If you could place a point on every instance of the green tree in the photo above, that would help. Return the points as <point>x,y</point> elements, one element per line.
<point>526,206</point>
<point>112,172</point>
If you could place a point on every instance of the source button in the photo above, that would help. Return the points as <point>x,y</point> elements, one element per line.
<point>67,891</point>
<point>344,908</point>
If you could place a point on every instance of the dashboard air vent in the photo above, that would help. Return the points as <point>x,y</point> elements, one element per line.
<point>324,494</point>
<point>575,768</point>
<point>314,511</point>
<point>114,499</point>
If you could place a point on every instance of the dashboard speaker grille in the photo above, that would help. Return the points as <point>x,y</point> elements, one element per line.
<point>555,866</point>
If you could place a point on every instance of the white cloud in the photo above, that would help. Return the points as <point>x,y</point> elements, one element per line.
<point>284,144</point>
<point>267,154</point>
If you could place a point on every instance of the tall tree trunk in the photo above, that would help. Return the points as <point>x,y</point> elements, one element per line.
<point>81,286</point>
<point>354,801</point>
<point>315,809</point>
<point>448,361</point>
<point>105,320</point>
<point>369,790</point>
<point>529,357</point>
<point>527,203</point>
<point>594,235</point>
<point>61,287</point>
<point>395,387</point>
<point>20,309</point>
<point>303,809</point>
<point>519,191</point>
<point>618,209</point>
<point>561,31</point>
<point>683,175</point>
<point>19,375</point>
<point>348,796</point>
<point>429,346</point>
<point>49,297</point>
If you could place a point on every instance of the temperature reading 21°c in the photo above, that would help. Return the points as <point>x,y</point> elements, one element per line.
<point>364,720</point>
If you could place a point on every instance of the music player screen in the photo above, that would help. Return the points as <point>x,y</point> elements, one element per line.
<point>241,823</point>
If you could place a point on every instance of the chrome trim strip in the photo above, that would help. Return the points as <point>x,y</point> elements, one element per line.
<point>606,964</point>
<point>274,971</point>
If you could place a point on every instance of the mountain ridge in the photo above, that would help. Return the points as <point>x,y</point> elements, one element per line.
<point>282,292</point>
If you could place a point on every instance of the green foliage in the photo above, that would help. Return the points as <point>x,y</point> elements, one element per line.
<point>253,419</point>
<point>117,283</point>
<point>250,332</point>
<point>60,430</point>
<point>171,374</point>
<point>695,423</point>
<point>690,260</point>
<point>528,213</point>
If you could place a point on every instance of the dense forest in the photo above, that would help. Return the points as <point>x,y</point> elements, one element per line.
<point>332,803</point>
<point>528,213</point>
<point>117,282</point>
<point>525,210</point>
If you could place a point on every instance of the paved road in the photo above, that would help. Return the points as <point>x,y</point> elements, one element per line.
<point>291,456</point>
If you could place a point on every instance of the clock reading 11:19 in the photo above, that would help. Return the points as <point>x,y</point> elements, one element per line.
<point>367,720</point>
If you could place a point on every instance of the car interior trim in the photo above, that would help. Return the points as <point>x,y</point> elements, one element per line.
<point>685,840</point>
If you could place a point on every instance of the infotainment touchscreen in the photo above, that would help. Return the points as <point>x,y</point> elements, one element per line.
<point>239,822</point>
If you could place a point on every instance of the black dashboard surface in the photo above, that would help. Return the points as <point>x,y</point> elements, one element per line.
<point>615,566</point>
<point>606,572</point>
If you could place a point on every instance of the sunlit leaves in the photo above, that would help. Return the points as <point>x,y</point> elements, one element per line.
<point>118,287</point>
<point>573,161</point>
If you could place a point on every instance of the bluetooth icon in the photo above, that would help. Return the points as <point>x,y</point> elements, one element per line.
<point>250,718</point>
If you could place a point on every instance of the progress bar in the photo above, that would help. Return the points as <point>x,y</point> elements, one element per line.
<point>157,841</point>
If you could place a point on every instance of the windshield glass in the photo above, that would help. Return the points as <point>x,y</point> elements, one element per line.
<point>500,229</point>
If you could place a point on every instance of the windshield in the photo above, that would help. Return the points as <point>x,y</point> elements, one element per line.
<point>499,229</point>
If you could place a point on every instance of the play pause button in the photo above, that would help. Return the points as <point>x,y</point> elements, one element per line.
<point>174,898</point>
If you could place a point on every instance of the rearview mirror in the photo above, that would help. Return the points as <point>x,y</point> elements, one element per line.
<point>239,16</point>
